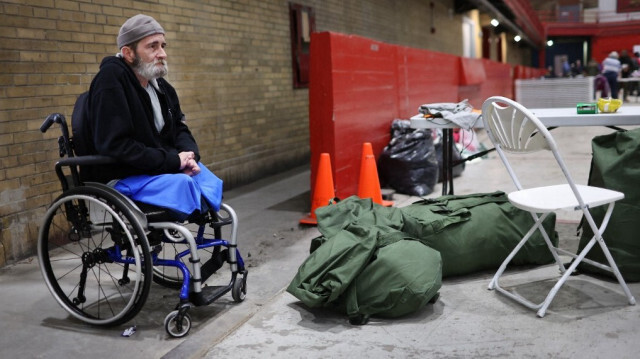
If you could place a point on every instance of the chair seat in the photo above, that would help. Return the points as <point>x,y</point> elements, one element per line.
<point>561,197</point>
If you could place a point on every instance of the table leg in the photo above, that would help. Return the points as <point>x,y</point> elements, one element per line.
<point>447,161</point>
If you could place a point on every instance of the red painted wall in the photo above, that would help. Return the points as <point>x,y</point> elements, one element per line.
<point>424,77</point>
<point>358,86</point>
<point>603,45</point>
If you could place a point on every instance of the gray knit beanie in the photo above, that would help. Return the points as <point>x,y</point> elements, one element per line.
<point>136,28</point>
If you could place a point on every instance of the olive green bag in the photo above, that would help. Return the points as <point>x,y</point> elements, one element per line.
<point>402,277</point>
<point>616,165</point>
<point>362,265</point>
<point>377,261</point>
<point>476,232</point>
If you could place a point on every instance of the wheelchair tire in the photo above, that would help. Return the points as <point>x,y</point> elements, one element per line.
<point>94,256</point>
<point>239,289</point>
<point>177,328</point>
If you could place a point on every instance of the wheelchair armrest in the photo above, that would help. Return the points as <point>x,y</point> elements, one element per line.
<point>85,160</point>
<point>73,162</point>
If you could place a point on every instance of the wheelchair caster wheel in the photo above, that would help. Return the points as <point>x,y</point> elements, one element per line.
<point>177,325</point>
<point>239,290</point>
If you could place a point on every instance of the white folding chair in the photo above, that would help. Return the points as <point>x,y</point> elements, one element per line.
<point>514,129</point>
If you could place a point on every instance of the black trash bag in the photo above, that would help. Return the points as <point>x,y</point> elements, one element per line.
<point>408,164</point>
<point>456,158</point>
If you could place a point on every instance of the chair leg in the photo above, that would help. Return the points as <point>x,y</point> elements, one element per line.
<point>605,250</point>
<point>597,238</point>
<point>547,240</point>
<point>616,271</point>
<point>565,276</point>
<point>537,225</point>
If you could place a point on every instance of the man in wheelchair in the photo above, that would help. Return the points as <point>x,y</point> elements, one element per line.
<point>120,226</point>
<point>132,114</point>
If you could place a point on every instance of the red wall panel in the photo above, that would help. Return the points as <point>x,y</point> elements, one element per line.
<point>472,71</point>
<point>361,94</point>
<point>358,86</point>
<point>499,81</point>
<point>321,129</point>
<point>604,44</point>
<point>425,77</point>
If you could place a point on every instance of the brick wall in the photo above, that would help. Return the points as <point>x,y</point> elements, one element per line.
<point>229,61</point>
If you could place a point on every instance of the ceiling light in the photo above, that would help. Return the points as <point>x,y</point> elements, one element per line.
<point>517,38</point>
<point>495,22</point>
<point>549,42</point>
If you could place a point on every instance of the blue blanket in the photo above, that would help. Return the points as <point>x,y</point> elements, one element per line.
<point>176,191</point>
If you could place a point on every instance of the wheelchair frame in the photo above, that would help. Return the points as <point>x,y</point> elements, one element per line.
<point>94,236</point>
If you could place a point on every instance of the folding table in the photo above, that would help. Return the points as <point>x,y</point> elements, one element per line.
<point>627,115</point>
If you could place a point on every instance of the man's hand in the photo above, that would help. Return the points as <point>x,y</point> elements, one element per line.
<point>192,168</point>
<point>188,164</point>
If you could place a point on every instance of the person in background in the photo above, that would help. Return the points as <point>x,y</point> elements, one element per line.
<point>577,69</point>
<point>635,73</point>
<point>627,67</point>
<point>611,69</point>
<point>550,73</point>
<point>566,67</point>
<point>593,68</point>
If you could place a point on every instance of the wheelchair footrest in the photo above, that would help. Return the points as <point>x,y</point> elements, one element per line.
<point>209,294</point>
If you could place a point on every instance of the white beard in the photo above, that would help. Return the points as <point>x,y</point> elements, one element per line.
<point>150,70</point>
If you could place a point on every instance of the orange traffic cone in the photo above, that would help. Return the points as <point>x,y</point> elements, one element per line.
<point>367,149</point>
<point>369,185</point>
<point>323,192</point>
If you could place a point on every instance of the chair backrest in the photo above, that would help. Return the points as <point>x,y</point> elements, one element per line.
<point>79,128</point>
<point>513,128</point>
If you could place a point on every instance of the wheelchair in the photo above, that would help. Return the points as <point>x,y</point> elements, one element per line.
<point>99,251</point>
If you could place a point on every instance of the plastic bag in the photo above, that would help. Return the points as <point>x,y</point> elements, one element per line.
<point>408,164</point>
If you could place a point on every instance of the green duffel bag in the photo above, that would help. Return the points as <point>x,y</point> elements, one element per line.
<point>401,278</point>
<point>616,165</point>
<point>333,265</point>
<point>362,265</point>
<point>477,232</point>
<point>350,230</point>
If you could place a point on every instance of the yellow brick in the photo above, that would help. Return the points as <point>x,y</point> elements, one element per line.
<point>6,31</point>
<point>32,56</point>
<point>60,57</point>
<point>21,91</point>
<point>42,3</point>
<point>30,33</point>
<point>40,23</point>
<point>82,37</point>
<point>90,9</point>
<point>67,5</point>
<point>84,58</point>
<point>69,26</point>
<point>9,184</point>
<point>113,11</point>
<point>20,171</point>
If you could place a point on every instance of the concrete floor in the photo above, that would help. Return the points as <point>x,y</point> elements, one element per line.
<point>589,318</point>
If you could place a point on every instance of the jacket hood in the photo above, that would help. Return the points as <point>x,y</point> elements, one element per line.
<point>118,62</point>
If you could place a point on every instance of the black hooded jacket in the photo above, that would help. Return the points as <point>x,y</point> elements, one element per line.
<point>119,123</point>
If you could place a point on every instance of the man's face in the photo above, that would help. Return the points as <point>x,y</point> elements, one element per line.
<point>150,57</point>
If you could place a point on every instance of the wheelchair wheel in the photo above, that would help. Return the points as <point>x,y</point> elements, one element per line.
<point>239,290</point>
<point>94,256</point>
<point>177,325</point>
